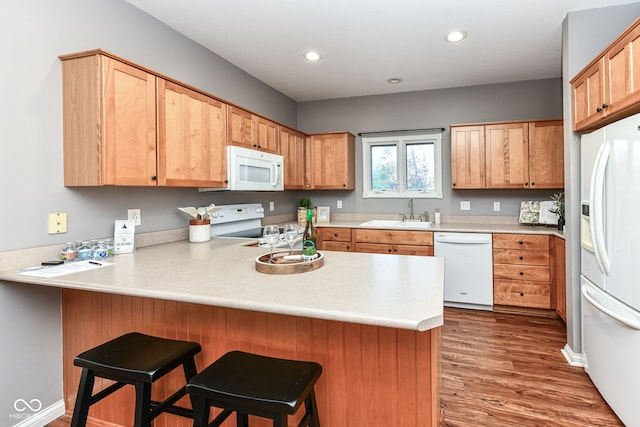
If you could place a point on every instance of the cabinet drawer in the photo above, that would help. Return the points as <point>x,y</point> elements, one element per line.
<point>521,241</point>
<point>413,250</point>
<point>517,256</point>
<point>336,246</point>
<point>522,293</point>
<point>522,272</point>
<point>374,248</point>
<point>336,234</point>
<point>395,237</point>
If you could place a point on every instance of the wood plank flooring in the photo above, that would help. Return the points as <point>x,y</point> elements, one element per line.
<point>507,370</point>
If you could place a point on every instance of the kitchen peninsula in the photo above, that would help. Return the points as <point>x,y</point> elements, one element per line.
<point>372,321</point>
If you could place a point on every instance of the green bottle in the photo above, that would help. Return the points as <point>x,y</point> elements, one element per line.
<point>309,236</point>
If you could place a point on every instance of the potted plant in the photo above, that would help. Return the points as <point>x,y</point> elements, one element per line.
<point>304,203</point>
<point>558,209</point>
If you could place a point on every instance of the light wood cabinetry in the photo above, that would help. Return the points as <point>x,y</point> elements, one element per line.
<point>335,239</point>
<point>292,148</point>
<point>507,155</point>
<point>398,242</point>
<point>521,270</point>
<point>109,123</point>
<point>467,157</point>
<point>125,126</point>
<point>192,138</point>
<point>608,88</point>
<point>251,131</point>
<point>558,269</point>
<point>330,162</point>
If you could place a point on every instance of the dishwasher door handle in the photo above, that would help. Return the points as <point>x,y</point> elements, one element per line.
<point>464,240</point>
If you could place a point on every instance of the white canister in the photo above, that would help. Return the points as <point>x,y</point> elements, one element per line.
<point>199,230</point>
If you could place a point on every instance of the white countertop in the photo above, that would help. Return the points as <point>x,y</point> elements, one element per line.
<point>403,292</point>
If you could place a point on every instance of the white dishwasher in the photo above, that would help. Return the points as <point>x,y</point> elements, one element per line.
<point>468,269</point>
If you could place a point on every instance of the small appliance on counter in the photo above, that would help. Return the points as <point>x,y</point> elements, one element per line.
<point>537,212</point>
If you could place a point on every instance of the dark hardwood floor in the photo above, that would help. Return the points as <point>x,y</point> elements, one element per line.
<point>507,370</point>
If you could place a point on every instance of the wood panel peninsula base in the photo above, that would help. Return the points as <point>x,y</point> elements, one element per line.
<point>372,375</point>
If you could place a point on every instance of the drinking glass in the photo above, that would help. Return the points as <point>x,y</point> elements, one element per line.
<point>271,236</point>
<point>291,235</point>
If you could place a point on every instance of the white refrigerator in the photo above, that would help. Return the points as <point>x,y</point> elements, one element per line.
<point>610,255</point>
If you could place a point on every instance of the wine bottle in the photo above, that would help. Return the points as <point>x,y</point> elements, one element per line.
<point>309,236</point>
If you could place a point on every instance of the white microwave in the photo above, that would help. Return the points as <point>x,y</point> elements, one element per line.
<point>252,170</point>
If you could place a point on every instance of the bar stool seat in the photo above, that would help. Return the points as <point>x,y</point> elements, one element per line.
<point>139,360</point>
<point>250,384</point>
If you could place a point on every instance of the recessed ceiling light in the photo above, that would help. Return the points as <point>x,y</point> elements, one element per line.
<point>312,55</point>
<point>456,36</point>
<point>394,80</point>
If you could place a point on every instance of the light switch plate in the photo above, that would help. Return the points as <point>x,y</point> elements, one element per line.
<point>496,206</point>
<point>57,223</point>
<point>134,215</point>
<point>465,205</point>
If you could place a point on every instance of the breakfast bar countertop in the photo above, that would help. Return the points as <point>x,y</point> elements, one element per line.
<point>404,292</point>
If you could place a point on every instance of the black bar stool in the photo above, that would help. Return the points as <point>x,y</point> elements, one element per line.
<point>139,360</point>
<point>249,384</point>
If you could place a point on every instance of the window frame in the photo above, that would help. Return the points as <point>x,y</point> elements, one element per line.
<point>401,142</point>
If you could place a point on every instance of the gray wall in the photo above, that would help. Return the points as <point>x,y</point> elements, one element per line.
<point>585,35</point>
<point>434,108</point>
<point>31,116</point>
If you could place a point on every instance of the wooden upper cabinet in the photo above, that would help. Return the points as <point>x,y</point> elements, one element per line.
<point>250,131</point>
<point>292,148</point>
<point>192,138</point>
<point>331,161</point>
<point>266,135</point>
<point>467,157</point>
<point>109,122</point>
<point>608,88</point>
<point>241,130</point>
<point>507,151</point>
<point>546,154</point>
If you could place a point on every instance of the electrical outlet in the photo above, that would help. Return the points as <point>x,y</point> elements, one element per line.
<point>272,206</point>
<point>134,215</point>
<point>339,204</point>
<point>465,205</point>
<point>57,223</point>
<point>496,206</point>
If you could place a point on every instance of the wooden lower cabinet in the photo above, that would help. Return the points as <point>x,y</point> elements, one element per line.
<point>398,242</point>
<point>335,239</point>
<point>372,376</point>
<point>558,268</point>
<point>521,270</point>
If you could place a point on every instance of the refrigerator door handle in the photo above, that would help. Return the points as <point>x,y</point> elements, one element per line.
<point>596,218</point>
<point>624,320</point>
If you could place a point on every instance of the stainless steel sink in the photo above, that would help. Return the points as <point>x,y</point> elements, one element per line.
<point>395,223</point>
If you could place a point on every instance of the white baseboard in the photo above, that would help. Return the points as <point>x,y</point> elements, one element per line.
<point>574,359</point>
<point>44,417</point>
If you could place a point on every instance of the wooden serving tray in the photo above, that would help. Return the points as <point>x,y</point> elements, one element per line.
<point>279,265</point>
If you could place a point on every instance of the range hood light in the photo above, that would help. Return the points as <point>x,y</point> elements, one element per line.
<point>456,36</point>
<point>312,55</point>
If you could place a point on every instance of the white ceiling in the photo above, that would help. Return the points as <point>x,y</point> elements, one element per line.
<point>365,42</point>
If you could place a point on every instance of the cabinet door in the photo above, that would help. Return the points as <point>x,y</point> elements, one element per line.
<point>332,161</point>
<point>266,135</point>
<point>546,154</point>
<point>291,147</point>
<point>241,130</point>
<point>588,96</point>
<point>192,138</point>
<point>559,280</point>
<point>467,157</point>
<point>507,155</point>
<point>622,68</point>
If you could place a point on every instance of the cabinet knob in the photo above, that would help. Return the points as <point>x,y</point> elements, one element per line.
<point>454,184</point>
<point>335,234</point>
<point>521,258</point>
<point>348,248</point>
<point>598,109</point>
<point>521,294</point>
<point>521,242</point>
<point>533,184</point>
<point>522,273</point>
<point>604,106</point>
<point>154,178</point>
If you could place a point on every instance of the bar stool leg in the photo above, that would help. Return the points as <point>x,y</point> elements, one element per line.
<point>201,412</point>
<point>312,407</point>
<point>280,421</point>
<point>190,371</point>
<point>242,420</point>
<point>83,399</point>
<point>143,403</point>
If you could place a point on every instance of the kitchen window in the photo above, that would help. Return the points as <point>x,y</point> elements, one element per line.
<point>399,166</point>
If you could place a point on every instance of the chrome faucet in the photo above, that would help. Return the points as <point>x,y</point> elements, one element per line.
<point>411,208</point>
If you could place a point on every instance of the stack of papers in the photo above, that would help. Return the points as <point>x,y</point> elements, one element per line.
<point>62,269</point>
